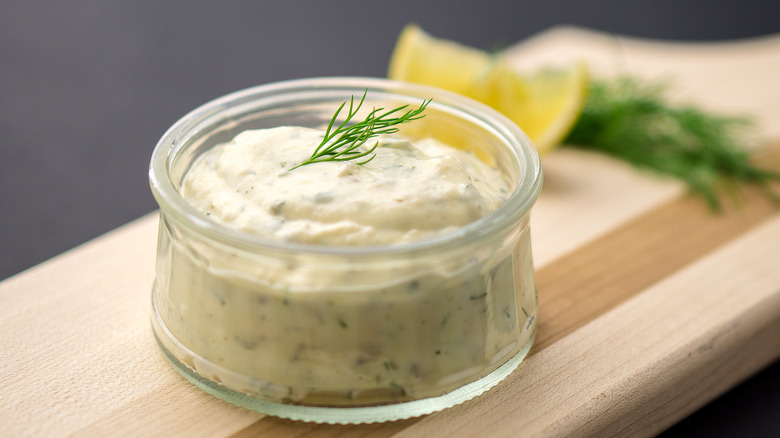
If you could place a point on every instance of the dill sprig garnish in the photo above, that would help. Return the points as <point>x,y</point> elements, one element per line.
<point>633,122</point>
<point>344,142</point>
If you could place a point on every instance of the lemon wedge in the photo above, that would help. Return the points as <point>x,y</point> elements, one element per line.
<point>544,103</point>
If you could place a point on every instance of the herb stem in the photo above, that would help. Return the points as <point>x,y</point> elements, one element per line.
<point>344,143</point>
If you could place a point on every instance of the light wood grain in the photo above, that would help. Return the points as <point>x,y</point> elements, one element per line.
<point>676,306</point>
<point>78,353</point>
<point>580,286</point>
<point>600,192</point>
<point>647,363</point>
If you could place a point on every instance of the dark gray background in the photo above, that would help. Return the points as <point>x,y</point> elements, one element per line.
<point>88,87</point>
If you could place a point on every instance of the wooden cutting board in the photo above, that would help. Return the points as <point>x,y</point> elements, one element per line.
<point>650,304</point>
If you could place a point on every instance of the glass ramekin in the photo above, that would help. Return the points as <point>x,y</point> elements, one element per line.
<point>344,334</point>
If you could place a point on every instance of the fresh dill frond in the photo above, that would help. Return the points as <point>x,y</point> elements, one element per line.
<point>343,143</point>
<point>632,121</point>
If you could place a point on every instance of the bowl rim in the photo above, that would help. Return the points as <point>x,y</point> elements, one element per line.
<point>510,213</point>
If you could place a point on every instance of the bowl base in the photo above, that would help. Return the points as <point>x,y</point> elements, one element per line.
<point>331,415</point>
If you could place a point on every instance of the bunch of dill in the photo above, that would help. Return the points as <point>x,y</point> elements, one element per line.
<point>632,121</point>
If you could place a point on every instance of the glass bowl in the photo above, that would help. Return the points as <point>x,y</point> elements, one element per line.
<point>344,334</point>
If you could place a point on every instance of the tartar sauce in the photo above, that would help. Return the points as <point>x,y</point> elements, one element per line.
<point>303,330</point>
<point>407,192</point>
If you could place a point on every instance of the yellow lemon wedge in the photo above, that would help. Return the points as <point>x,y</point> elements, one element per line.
<point>545,103</point>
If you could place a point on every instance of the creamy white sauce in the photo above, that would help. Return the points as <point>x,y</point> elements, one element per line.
<point>295,328</point>
<point>407,192</point>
